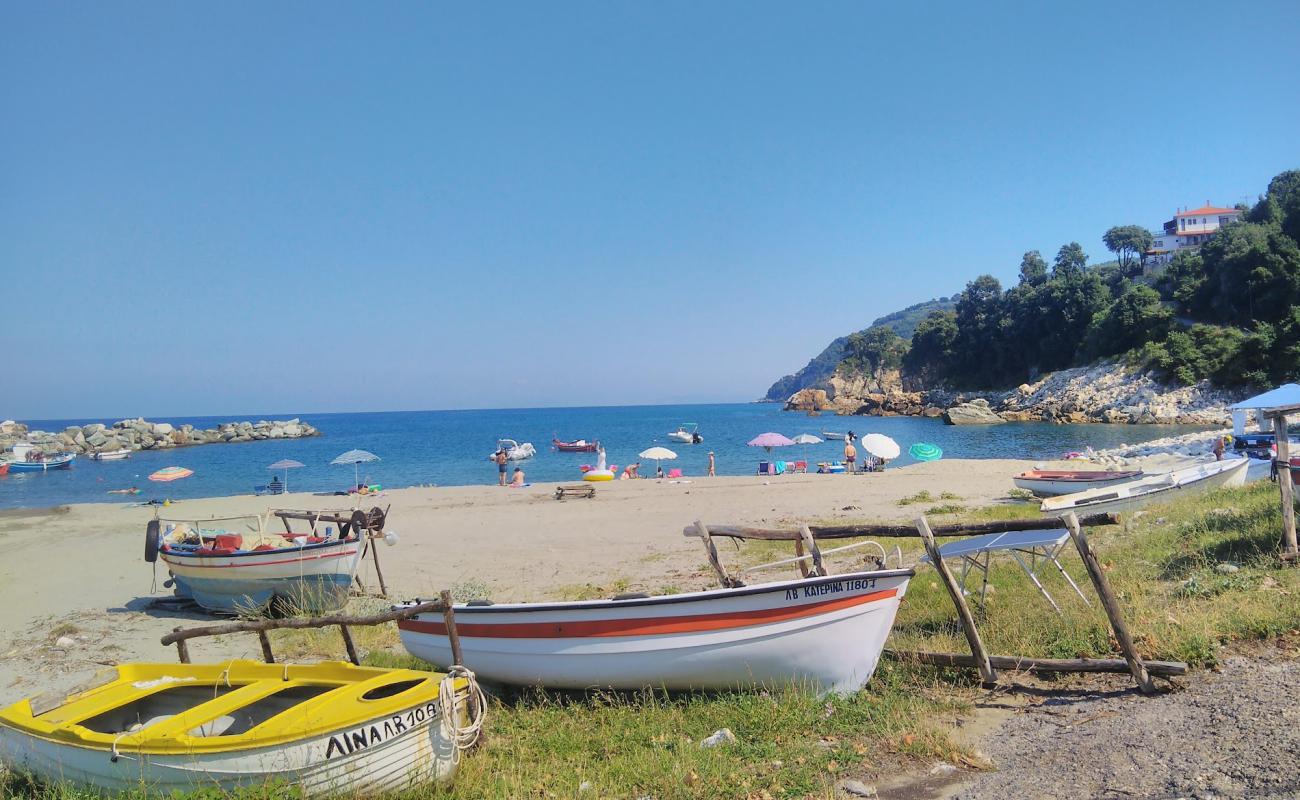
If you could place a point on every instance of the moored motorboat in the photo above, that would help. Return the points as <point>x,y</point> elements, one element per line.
<point>687,433</point>
<point>825,632</point>
<point>112,455</point>
<point>576,446</point>
<point>833,435</point>
<point>1151,488</point>
<point>247,571</point>
<point>329,729</point>
<point>1049,482</point>
<point>514,450</point>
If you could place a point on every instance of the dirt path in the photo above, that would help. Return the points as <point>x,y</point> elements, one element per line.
<point>1231,733</point>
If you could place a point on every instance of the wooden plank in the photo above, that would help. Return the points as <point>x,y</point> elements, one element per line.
<point>180,635</point>
<point>349,645</point>
<point>810,544</point>
<point>981,657</point>
<point>892,530</point>
<point>1110,603</point>
<point>453,636</point>
<point>48,701</point>
<point>379,573</point>
<point>267,655</point>
<point>1165,669</point>
<point>799,551</point>
<point>1286,487</point>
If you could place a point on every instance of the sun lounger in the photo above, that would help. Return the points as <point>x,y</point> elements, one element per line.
<point>1041,547</point>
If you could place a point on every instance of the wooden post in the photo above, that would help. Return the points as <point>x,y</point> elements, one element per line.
<point>182,649</point>
<point>267,655</point>
<point>1110,603</point>
<point>987,675</point>
<point>799,551</point>
<point>348,643</point>
<point>379,573</point>
<point>711,550</point>
<point>1284,484</point>
<point>449,620</point>
<point>810,544</point>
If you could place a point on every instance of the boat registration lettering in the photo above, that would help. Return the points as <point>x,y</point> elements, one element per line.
<point>349,742</point>
<point>834,587</point>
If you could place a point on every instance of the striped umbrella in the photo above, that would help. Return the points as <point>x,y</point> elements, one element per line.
<point>923,451</point>
<point>286,464</point>
<point>355,457</point>
<point>169,474</point>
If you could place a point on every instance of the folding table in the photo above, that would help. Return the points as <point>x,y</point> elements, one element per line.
<point>1040,547</point>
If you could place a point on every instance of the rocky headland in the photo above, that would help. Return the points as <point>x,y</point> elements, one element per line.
<point>141,434</point>
<point>1110,392</point>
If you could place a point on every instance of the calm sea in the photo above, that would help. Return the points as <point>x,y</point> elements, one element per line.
<point>449,448</point>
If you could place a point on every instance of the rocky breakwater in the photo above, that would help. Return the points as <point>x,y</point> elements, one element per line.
<point>141,434</point>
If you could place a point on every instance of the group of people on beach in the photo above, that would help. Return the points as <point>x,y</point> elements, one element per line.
<point>631,471</point>
<point>502,459</point>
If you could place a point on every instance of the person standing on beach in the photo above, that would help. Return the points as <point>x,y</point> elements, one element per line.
<point>501,458</point>
<point>712,466</point>
<point>850,455</point>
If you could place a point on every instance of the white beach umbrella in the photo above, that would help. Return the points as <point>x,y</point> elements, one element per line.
<point>657,454</point>
<point>286,464</point>
<point>881,446</point>
<point>806,439</point>
<point>355,457</point>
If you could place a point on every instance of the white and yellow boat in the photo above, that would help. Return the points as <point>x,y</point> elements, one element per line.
<point>329,728</point>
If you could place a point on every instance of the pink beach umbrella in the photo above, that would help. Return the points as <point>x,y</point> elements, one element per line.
<point>769,440</point>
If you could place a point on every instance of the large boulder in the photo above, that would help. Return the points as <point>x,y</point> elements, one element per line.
<point>92,428</point>
<point>96,439</point>
<point>808,400</point>
<point>162,428</point>
<point>976,412</point>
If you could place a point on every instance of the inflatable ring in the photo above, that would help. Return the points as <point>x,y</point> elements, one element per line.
<point>598,475</point>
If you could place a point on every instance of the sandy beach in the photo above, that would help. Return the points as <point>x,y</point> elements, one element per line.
<point>77,571</point>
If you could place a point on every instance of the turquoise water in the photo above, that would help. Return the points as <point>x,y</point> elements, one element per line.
<point>451,447</point>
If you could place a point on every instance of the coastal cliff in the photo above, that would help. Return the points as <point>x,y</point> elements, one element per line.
<point>140,434</point>
<point>1111,392</point>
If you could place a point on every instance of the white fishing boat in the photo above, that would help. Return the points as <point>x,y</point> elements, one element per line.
<point>235,565</point>
<point>832,435</point>
<point>514,450</point>
<point>1051,482</point>
<point>824,632</point>
<point>1150,489</point>
<point>329,729</point>
<point>686,433</point>
<point>112,455</point>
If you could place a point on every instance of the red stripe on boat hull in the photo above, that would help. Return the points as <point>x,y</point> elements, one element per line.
<point>647,626</point>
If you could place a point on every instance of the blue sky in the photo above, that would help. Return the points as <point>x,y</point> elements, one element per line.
<point>247,207</point>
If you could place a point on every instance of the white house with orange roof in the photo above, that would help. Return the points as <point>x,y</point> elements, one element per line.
<point>1189,229</point>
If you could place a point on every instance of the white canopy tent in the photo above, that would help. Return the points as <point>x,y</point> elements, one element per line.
<point>1285,395</point>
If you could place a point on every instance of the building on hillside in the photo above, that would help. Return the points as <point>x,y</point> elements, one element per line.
<point>1188,230</point>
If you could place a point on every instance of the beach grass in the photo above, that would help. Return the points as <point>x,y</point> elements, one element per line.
<point>1193,578</point>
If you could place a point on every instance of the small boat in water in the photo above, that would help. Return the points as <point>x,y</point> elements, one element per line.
<point>576,446</point>
<point>833,435</point>
<point>514,450</point>
<point>1050,482</point>
<point>1151,488</point>
<point>826,632</point>
<point>687,433</point>
<point>30,459</point>
<point>329,729</point>
<point>112,455</point>
<point>248,569</point>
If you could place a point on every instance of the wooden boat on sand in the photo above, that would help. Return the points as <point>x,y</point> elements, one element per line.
<point>329,729</point>
<point>1150,489</point>
<point>826,632</point>
<point>1050,482</point>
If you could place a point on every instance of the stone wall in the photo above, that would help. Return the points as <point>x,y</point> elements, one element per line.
<point>140,434</point>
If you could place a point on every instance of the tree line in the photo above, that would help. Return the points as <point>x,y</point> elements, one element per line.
<point>1229,311</point>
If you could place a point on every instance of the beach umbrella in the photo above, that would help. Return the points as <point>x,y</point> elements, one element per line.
<point>806,439</point>
<point>924,451</point>
<point>881,446</point>
<point>169,474</point>
<point>769,440</point>
<point>355,457</point>
<point>286,464</point>
<point>657,454</point>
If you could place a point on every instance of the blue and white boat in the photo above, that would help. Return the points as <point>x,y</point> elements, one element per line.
<point>237,573</point>
<point>30,459</point>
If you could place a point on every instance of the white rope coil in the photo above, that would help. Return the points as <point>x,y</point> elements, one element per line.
<point>467,735</point>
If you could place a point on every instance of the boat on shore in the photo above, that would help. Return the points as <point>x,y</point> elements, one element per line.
<point>248,569</point>
<point>576,446</point>
<point>1150,489</point>
<point>112,455</point>
<point>687,433</point>
<point>328,729</point>
<point>826,632</point>
<point>514,450</point>
<point>1051,482</point>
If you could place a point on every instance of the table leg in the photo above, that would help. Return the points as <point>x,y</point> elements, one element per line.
<point>1033,577</point>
